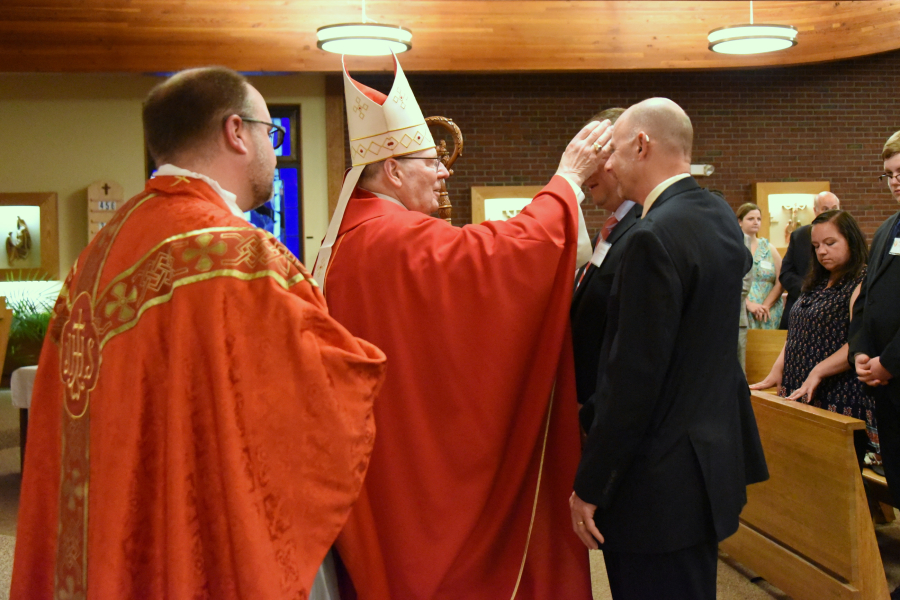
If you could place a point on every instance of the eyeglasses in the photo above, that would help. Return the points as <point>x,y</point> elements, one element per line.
<point>888,177</point>
<point>435,159</point>
<point>276,133</point>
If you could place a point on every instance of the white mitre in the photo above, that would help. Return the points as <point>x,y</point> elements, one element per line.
<point>379,126</point>
<point>384,126</point>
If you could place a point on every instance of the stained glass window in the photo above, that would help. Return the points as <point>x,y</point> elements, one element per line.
<point>282,216</point>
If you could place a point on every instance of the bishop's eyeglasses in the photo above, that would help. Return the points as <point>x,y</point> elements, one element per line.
<point>886,178</point>
<point>435,159</point>
<point>276,132</point>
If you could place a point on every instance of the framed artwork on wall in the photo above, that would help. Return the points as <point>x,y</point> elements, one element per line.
<point>785,206</point>
<point>500,202</point>
<point>30,231</point>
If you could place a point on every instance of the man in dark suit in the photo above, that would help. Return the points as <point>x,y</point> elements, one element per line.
<point>594,281</point>
<point>875,327</point>
<point>674,441</point>
<point>799,255</point>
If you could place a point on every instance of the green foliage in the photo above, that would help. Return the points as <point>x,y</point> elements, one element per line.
<point>31,318</point>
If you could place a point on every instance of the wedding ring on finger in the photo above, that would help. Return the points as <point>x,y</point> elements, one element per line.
<point>597,147</point>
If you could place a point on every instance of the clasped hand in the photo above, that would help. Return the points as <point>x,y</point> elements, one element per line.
<point>870,370</point>
<point>759,311</point>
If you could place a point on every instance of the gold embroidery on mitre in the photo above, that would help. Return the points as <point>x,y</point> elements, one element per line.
<point>79,356</point>
<point>360,108</point>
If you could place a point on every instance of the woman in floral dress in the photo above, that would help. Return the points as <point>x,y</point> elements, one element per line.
<point>764,303</point>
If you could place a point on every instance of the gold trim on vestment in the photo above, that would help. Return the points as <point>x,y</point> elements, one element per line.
<point>537,490</point>
<point>181,236</point>
<point>285,283</point>
<point>245,253</point>
<point>112,233</point>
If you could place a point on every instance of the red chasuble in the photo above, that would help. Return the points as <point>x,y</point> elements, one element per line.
<point>473,322</point>
<point>200,425</point>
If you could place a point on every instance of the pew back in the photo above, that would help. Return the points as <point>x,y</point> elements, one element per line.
<point>763,347</point>
<point>808,529</point>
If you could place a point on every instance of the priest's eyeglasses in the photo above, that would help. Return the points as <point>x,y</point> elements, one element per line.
<point>886,178</point>
<point>276,132</point>
<point>435,159</point>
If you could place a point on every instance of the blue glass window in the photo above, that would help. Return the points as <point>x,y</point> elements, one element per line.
<point>282,216</point>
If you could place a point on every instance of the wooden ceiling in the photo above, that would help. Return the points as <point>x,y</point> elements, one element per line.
<point>448,35</point>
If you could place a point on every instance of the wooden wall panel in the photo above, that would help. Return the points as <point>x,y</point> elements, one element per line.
<point>448,35</point>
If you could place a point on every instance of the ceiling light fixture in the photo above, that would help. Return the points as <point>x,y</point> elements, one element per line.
<point>752,39</point>
<point>364,39</point>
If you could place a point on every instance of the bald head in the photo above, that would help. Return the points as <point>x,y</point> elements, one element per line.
<point>661,120</point>
<point>825,201</point>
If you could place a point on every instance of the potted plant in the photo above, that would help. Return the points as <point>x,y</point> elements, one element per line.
<point>31,317</point>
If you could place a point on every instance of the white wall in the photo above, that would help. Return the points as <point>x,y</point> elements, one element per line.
<point>59,133</point>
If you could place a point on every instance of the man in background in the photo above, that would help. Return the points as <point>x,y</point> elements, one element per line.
<point>594,280</point>
<point>875,328</point>
<point>471,418</point>
<point>674,440</point>
<point>200,425</point>
<point>799,255</point>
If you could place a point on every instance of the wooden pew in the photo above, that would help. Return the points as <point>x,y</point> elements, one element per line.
<point>808,529</point>
<point>763,347</point>
<point>877,490</point>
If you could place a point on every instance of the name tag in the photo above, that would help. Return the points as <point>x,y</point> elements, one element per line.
<point>764,264</point>
<point>895,247</point>
<point>600,252</point>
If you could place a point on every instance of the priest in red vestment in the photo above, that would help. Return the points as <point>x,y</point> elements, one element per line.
<point>200,425</point>
<point>477,436</point>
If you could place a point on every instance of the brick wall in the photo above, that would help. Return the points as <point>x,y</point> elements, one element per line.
<point>814,122</point>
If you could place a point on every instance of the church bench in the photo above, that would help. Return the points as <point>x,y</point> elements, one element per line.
<point>808,529</point>
<point>763,347</point>
<point>877,489</point>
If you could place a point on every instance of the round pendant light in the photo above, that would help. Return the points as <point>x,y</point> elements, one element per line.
<point>751,38</point>
<point>364,39</point>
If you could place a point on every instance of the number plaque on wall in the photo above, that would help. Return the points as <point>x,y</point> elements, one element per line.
<point>104,198</point>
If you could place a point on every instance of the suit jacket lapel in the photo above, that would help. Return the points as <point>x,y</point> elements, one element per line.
<point>877,260</point>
